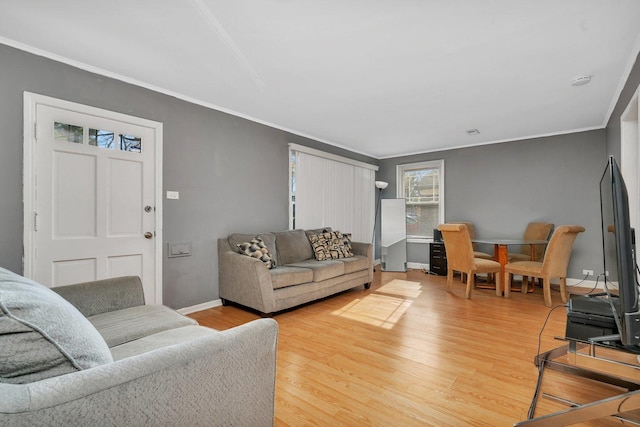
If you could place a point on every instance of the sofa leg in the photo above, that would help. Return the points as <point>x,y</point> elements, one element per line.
<point>367,285</point>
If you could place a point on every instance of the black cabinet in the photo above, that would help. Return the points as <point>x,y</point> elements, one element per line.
<point>437,259</point>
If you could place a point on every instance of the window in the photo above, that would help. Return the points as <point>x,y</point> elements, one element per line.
<point>422,186</point>
<point>331,191</point>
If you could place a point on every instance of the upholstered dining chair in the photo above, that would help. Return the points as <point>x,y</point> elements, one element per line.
<point>457,244</point>
<point>476,252</point>
<point>472,235</point>
<point>554,264</point>
<point>534,231</point>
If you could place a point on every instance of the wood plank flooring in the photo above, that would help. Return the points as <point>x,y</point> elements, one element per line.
<point>407,353</point>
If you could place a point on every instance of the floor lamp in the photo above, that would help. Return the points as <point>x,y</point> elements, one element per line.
<point>380,185</point>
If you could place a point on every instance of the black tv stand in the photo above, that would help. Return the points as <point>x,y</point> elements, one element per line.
<point>582,359</point>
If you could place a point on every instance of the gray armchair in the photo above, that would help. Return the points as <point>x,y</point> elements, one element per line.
<point>183,374</point>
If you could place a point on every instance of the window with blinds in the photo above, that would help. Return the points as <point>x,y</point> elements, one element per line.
<point>331,191</point>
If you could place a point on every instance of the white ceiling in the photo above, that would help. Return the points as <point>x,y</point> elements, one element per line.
<point>379,77</point>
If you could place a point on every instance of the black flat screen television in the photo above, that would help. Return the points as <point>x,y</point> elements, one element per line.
<point>618,252</point>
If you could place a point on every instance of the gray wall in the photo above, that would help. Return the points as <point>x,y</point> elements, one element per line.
<point>502,187</point>
<point>232,174</point>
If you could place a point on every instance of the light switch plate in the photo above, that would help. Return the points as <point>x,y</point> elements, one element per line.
<point>178,249</point>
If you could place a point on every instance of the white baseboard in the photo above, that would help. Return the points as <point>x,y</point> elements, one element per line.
<point>417,266</point>
<point>200,307</point>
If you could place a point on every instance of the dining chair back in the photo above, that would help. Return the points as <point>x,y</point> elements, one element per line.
<point>534,231</point>
<point>459,250</point>
<point>472,235</point>
<point>554,264</point>
<point>556,258</point>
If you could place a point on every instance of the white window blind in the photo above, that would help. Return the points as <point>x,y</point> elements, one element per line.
<point>332,192</point>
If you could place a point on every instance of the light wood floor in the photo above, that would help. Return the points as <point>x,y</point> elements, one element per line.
<point>407,353</point>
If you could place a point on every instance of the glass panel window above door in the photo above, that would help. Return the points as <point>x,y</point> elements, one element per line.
<point>102,138</point>
<point>67,133</point>
<point>131,143</point>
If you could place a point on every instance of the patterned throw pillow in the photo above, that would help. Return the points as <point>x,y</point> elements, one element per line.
<point>330,245</point>
<point>346,238</point>
<point>257,249</point>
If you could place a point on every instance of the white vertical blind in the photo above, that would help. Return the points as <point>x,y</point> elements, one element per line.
<point>332,193</point>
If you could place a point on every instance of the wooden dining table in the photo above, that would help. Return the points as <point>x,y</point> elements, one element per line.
<point>500,251</point>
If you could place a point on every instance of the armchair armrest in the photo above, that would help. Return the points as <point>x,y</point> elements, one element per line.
<point>226,378</point>
<point>102,296</point>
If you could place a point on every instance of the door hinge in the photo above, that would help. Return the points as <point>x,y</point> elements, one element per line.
<point>35,130</point>
<point>35,221</point>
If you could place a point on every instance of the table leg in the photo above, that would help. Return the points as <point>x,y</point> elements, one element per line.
<point>532,280</point>
<point>500,252</point>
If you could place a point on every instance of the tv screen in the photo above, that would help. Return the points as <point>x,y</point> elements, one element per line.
<point>618,251</point>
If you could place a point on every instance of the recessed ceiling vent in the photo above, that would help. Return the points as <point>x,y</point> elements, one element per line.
<point>580,80</point>
<point>473,132</point>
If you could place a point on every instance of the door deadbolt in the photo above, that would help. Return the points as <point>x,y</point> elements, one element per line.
<point>148,208</point>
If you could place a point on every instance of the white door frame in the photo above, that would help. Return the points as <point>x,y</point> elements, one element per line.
<point>30,102</point>
<point>630,156</point>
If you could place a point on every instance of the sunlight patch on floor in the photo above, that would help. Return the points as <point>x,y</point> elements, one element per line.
<point>385,306</point>
<point>403,288</point>
<point>378,310</point>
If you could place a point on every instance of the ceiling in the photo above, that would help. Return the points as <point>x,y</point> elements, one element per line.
<point>379,77</point>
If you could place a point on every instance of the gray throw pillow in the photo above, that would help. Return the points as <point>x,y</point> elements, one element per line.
<point>42,335</point>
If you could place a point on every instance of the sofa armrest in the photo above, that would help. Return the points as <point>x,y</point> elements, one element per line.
<point>226,378</point>
<point>244,280</point>
<point>363,249</point>
<point>102,296</point>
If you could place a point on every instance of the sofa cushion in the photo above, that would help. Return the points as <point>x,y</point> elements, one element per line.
<point>355,263</point>
<point>293,246</point>
<point>288,276</point>
<point>322,270</point>
<point>269,240</point>
<point>121,326</point>
<point>42,335</point>
<point>329,245</point>
<point>257,249</point>
<point>160,340</point>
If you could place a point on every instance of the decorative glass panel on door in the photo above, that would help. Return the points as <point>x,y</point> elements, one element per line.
<point>67,133</point>
<point>131,143</point>
<point>102,138</point>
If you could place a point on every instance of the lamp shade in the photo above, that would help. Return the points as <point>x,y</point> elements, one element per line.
<point>381,185</point>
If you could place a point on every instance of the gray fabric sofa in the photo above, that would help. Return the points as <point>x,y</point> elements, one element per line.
<point>94,354</point>
<point>298,277</point>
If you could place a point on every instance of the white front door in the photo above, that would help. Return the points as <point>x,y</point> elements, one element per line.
<point>94,197</point>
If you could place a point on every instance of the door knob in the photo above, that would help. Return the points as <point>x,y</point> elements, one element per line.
<point>148,235</point>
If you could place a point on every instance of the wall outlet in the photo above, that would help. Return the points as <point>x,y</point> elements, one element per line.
<point>587,272</point>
